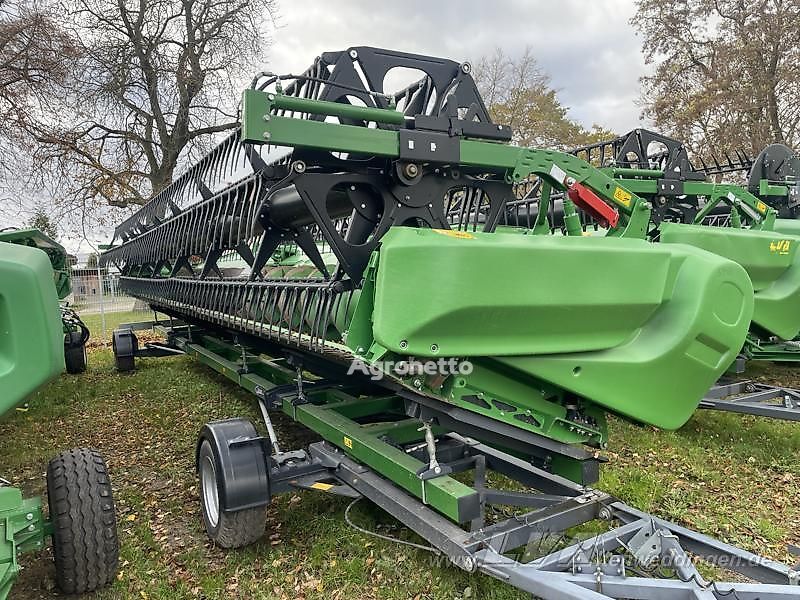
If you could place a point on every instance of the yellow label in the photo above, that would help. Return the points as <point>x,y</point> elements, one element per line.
<point>324,487</point>
<point>781,246</point>
<point>464,235</point>
<point>761,207</point>
<point>622,196</point>
<point>348,443</point>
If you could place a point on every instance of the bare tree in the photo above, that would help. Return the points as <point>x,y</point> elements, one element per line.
<point>500,77</point>
<point>151,79</point>
<point>34,53</point>
<point>725,73</point>
<point>519,93</point>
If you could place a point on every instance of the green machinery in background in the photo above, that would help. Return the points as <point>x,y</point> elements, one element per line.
<point>32,351</point>
<point>730,220</point>
<point>741,223</point>
<point>733,221</point>
<point>343,256</point>
<point>76,334</point>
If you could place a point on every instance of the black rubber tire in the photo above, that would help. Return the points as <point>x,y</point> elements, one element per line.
<point>231,529</point>
<point>125,364</point>
<point>74,355</point>
<point>85,543</point>
<point>124,345</point>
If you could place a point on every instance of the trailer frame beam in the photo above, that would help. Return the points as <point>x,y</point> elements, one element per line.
<point>351,461</point>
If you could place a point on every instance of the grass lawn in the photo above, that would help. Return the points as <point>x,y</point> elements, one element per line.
<point>735,477</point>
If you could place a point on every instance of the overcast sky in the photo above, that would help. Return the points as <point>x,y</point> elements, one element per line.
<point>588,48</point>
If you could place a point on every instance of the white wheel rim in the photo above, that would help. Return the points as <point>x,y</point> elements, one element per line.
<point>208,481</point>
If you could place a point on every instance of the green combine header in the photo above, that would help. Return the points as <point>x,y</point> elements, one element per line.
<point>576,340</point>
<point>349,256</point>
<point>684,206</point>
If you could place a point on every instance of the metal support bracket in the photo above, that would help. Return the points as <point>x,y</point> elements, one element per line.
<point>753,398</point>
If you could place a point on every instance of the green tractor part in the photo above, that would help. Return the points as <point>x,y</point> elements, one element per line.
<point>770,259</point>
<point>22,527</point>
<point>76,334</point>
<point>788,226</point>
<point>31,354</point>
<point>32,341</point>
<point>34,238</point>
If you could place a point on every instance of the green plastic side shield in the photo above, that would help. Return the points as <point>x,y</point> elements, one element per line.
<point>31,334</point>
<point>641,329</point>
<point>771,260</point>
<point>788,226</point>
<point>473,294</point>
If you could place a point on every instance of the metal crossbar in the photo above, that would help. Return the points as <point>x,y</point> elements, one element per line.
<point>300,313</point>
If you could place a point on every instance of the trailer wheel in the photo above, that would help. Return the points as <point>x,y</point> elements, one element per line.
<point>124,344</point>
<point>75,353</point>
<point>85,542</point>
<point>232,529</point>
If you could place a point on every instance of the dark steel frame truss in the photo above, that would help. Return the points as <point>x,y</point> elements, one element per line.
<point>753,398</point>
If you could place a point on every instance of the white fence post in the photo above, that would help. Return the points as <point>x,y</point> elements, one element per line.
<point>102,303</point>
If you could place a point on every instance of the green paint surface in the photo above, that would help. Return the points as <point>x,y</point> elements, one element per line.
<point>31,334</point>
<point>642,330</point>
<point>771,260</point>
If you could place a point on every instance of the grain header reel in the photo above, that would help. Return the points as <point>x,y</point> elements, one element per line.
<point>343,256</point>
<point>388,278</point>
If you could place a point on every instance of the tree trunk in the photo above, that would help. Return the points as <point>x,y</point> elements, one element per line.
<point>162,177</point>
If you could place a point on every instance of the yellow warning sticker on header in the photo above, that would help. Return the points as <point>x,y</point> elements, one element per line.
<point>348,443</point>
<point>622,196</point>
<point>762,208</point>
<point>464,235</point>
<point>318,485</point>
